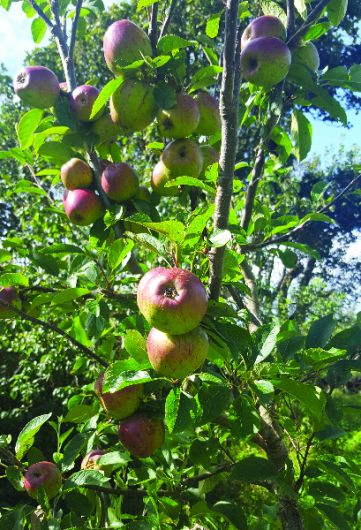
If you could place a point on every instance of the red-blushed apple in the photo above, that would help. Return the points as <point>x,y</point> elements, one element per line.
<point>172,300</point>
<point>265,26</point>
<point>210,156</point>
<point>306,54</point>
<point>124,43</point>
<point>133,106</point>
<point>265,61</point>
<point>177,356</point>
<point>120,404</point>
<point>76,173</point>
<point>90,459</point>
<point>106,129</point>
<point>181,120</point>
<point>10,296</point>
<point>64,87</point>
<point>119,181</point>
<point>82,101</point>
<point>141,434</point>
<point>37,86</point>
<point>44,475</point>
<point>182,158</point>
<point>143,194</point>
<point>82,207</point>
<point>210,118</point>
<point>159,178</point>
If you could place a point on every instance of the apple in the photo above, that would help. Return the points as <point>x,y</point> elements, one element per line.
<point>64,87</point>
<point>82,101</point>
<point>90,459</point>
<point>143,194</point>
<point>119,181</point>
<point>172,300</point>
<point>10,296</point>
<point>37,86</point>
<point>42,475</point>
<point>177,356</point>
<point>160,177</point>
<point>106,129</point>
<point>306,54</point>
<point>132,105</point>
<point>210,156</point>
<point>82,207</point>
<point>182,158</point>
<point>265,26</point>
<point>265,61</point>
<point>210,118</point>
<point>76,174</point>
<point>141,434</point>
<point>122,403</point>
<point>124,43</point>
<point>181,120</point>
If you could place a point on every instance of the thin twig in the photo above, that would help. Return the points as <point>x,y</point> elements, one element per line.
<point>300,479</point>
<point>290,16</point>
<point>74,28</point>
<point>153,27</point>
<point>167,19</point>
<point>295,39</point>
<point>41,14</point>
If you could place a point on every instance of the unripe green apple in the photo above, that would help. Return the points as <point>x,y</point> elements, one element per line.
<point>76,174</point>
<point>132,106</point>
<point>181,120</point>
<point>124,43</point>
<point>265,61</point>
<point>10,296</point>
<point>42,475</point>
<point>172,300</point>
<point>265,26</point>
<point>119,181</point>
<point>177,356</point>
<point>182,158</point>
<point>143,194</point>
<point>141,434</point>
<point>82,100</point>
<point>306,54</point>
<point>210,118</point>
<point>82,207</point>
<point>210,156</point>
<point>37,86</point>
<point>159,178</point>
<point>119,404</point>
<point>106,129</point>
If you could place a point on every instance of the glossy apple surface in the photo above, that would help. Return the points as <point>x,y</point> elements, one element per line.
<point>160,177</point>
<point>141,434</point>
<point>37,86</point>
<point>181,120</point>
<point>265,26</point>
<point>44,475</point>
<point>306,54</point>
<point>209,116</point>
<point>132,106</point>
<point>119,181</point>
<point>82,100</point>
<point>182,158</point>
<point>119,404</point>
<point>82,207</point>
<point>210,156</point>
<point>76,174</point>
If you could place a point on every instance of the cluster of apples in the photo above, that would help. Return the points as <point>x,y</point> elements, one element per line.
<point>265,57</point>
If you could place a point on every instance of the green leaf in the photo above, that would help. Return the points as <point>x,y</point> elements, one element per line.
<point>173,230</point>
<point>334,515</point>
<point>272,8</point>
<point>27,125</point>
<point>320,332</point>
<point>57,152</point>
<point>165,97</point>
<point>10,279</point>
<point>135,344</point>
<point>311,397</point>
<point>288,258</point>
<point>118,252</point>
<point>303,248</point>
<point>26,437</point>
<point>67,295</point>
<point>73,449</point>
<point>301,7</point>
<point>301,131</point>
<point>233,512</point>
<point>171,408</point>
<point>85,478</point>
<point>168,43</point>
<point>268,345</point>
<point>202,452</point>
<point>80,413</point>
<point>114,458</point>
<point>145,3</point>
<point>212,27</point>
<point>115,380</point>
<point>214,399</point>
<point>38,29</point>
<point>336,11</point>
<point>104,95</point>
<point>189,181</point>
<point>253,469</point>
<point>25,186</point>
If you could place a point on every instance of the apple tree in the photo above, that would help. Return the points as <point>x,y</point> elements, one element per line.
<point>196,405</point>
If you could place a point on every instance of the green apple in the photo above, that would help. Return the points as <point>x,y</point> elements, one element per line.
<point>132,106</point>
<point>306,54</point>
<point>181,120</point>
<point>76,174</point>
<point>210,119</point>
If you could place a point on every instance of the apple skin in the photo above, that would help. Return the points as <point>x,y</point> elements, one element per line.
<point>119,181</point>
<point>124,43</point>
<point>76,174</point>
<point>42,475</point>
<point>106,129</point>
<point>132,106</point>
<point>210,156</point>
<point>265,26</point>
<point>172,300</point>
<point>182,158</point>
<point>90,459</point>
<point>143,194</point>
<point>37,86</point>
<point>142,435</point>
<point>10,296</point>
<point>121,404</point>
<point>160,177</point>
<point>210,118</point>
<point>265,61</point>
<point>181,120</point>
<point>82,207</point>
<point>177,356</point>
<point>306,54</point>
<point>81,102</point>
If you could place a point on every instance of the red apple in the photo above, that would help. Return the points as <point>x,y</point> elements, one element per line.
<point>42,475</point>
<point>119,404</point>
<point>124,43</point>
<point>82,207</point>
<point>265,61</point>
<point>76,174</point>
<point>210,118</point>
<point>177,356</point>
<point>306,54</point>
<point>172,300</point>
<point>265,26</point>
<point>119,181</point>
<point>210,156</point>
<point>82,101</point>
<point>37,86</point>
<point>182,158</point>
<point>159,178</point>
<point>142,435</point>
<point>10,296</point>
<point>181,120</point>
<point>132,106</point>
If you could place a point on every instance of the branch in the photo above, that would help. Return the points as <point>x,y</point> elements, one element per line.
<point>228,106</point>
<point>74,28</point>
<point>251,302</point>
<point>241,305</point>
<point>153,28</point>
<point>252,188</point>
<point>300,479</point>
<point>290,16</point>
<point>198,478</point>
<point>47,325</point>
<point>295,39</point>
<point>167,19</point>
<point>41,14</point>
